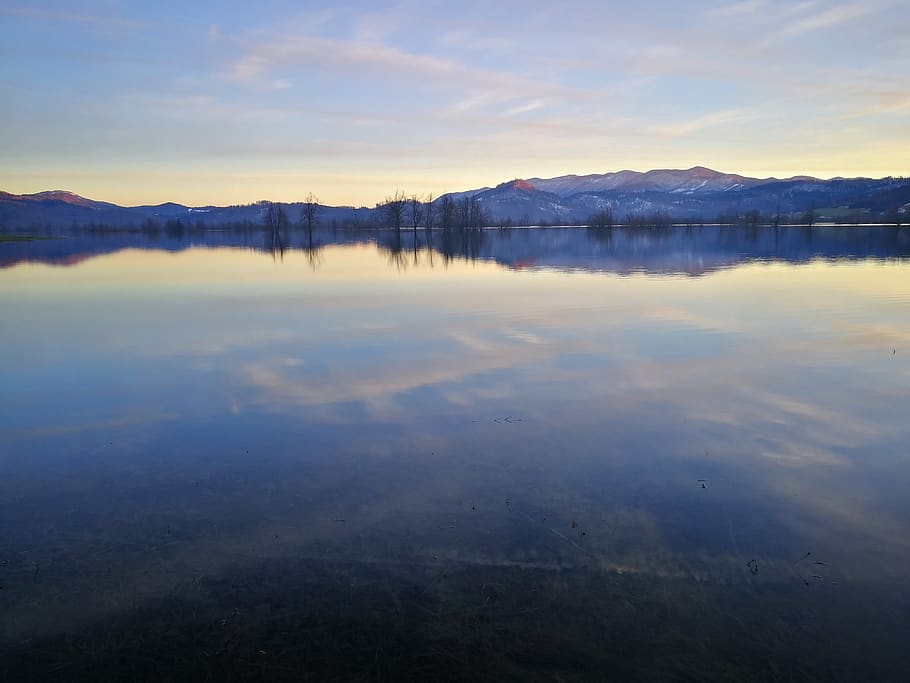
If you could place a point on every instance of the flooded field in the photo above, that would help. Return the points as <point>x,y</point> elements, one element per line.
<point>544,454</point>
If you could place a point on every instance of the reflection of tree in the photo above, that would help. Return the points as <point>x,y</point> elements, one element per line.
<point>463,244</point>
<point>391,245</point>
<point>275,244</point>
<point>420,248</point>
<point>313,251</point>
<point>604,235</point>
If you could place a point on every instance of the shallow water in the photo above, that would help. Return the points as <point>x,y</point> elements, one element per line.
<point>510,454</point>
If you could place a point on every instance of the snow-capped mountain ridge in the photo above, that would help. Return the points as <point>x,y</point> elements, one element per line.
<point>691,180</point>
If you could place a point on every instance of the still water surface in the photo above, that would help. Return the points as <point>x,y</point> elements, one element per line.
<point>545,454</point>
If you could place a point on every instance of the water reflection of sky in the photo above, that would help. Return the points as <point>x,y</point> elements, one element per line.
<point>232,397</point>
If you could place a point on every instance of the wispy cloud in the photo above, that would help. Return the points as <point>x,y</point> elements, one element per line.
<point>357,59</point>
<point>711,120</point>
<point>737,8</point>
<point>101,23</point>
<point>831,16</point>
<point>525,107</point>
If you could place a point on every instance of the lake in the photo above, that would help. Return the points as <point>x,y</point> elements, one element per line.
<point>537,454</point>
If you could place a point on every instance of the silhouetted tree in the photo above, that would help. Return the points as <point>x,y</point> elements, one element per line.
<point>470,214</point>
<point>275,220</point>
<point>415,211</point>
<point>447,213</point>
<point>274,217</point>
<point>809,216</point>
<point>428,211</point>
<point>393,208</point>
<point>309,214</point>
<point>601,219</point>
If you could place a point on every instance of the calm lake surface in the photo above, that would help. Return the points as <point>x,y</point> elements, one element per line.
<point>549,454</point>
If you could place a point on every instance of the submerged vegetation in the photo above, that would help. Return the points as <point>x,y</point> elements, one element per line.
<point>8,237</point>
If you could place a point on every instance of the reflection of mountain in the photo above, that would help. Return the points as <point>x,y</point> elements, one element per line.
<point>691,251</point>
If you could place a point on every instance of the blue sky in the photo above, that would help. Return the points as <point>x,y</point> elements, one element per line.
<point>138,102</point>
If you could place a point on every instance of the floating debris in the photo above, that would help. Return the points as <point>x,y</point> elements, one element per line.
<point>753,566</point>
<point>704,483</point>
<point>340,520</point>
<point>808,554</point>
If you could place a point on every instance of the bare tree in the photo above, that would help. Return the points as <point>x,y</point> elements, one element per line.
<point>601,220</point>
<point>809,216</point>
<point>447,211</point>
<point>274,217</point>
<point>415,211</point>
<point>393,208</point>
<point>470,213</point>
<point>428,211</point>
<point>309,215</point>
<point>464,213</point>
<point>275,220</point>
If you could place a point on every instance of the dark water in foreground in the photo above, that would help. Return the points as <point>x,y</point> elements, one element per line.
<point>525,455</point>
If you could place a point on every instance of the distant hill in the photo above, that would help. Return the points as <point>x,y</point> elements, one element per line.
<point>696,194</point>
<point>58,209</point>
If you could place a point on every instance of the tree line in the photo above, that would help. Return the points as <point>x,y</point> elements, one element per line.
<point>398,211</point>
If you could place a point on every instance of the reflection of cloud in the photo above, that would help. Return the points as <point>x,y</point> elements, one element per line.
<point>691,319</point>
<point>480,350</point>
<point>133,420</point>
<point>380,385</point>
<point>882,336</point>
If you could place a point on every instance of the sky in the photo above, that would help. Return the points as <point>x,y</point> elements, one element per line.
<point>234,102</point>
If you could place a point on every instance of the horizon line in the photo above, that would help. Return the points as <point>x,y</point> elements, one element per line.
<point>770,178</point>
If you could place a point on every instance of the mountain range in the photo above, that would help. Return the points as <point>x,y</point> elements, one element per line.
<point>690,195</point>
